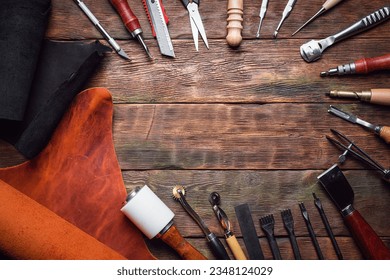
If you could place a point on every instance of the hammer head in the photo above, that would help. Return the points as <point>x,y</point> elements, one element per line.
<point>311,51</point>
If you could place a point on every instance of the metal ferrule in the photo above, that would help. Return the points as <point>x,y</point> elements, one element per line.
<point>228,234</point>
<point>346,69</point>
<point>131,195</point>
<point>347,210</point>
<point>165,229</point>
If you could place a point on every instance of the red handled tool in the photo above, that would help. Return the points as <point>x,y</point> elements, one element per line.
<point>361,66</point>
<point>130,20</point>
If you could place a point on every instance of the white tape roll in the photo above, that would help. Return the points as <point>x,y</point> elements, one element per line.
<point>148,212</point>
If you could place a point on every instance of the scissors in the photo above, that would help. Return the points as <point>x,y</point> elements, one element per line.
<point>196,21</point>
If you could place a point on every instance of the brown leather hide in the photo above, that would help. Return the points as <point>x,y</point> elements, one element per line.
<point>77,175</point>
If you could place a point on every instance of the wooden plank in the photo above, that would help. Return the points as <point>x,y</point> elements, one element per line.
<point>244,136</point>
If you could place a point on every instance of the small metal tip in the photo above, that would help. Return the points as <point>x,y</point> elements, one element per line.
<point>123,54</point>
<point>275,34</point>
<point>324,74</point>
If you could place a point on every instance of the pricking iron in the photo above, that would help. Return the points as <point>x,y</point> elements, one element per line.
<point>340,191</point>
<point>312,50</point>
<point>155,220</point>
<point>213,241</point>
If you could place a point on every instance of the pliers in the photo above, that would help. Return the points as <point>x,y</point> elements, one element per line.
<point>195,21</point>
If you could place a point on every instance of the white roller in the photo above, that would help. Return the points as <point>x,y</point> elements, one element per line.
<point>147,212</point>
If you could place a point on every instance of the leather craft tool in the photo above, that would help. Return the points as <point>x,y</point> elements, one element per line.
<point>360,66</point>
<point>357,152</point>
<point>249,233</point>
<point>286,12</point>
<point>267,223</point>
<point>215,200</point>
<point>215,244</point>
<point>325,7</point>
<point>131,21</point>
<point>155,220</point>
<point>318,204</point>
<point>196,23</point>
<point>382,131</point>
<point>288,222</point>
<point>340,191</point>
<point>158,21</point>
<point>262,13</point>
<point>312,50</point>
<point>379,96</point>
<point>235,12</point>
<point>312,234</point>
<point>99,27</point>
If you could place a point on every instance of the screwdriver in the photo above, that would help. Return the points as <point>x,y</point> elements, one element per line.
<point>381,130</point>
<point>360,66</point>
<point>326,6</point>
<point>380,96</point>
<point>131,21</point>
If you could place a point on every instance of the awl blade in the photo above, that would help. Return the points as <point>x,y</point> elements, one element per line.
<point>351,118</point>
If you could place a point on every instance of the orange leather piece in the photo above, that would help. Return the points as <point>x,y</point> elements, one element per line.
<point>78,177</point>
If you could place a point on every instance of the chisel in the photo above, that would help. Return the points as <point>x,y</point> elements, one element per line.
<point>379,96</point>
<point>130,21</point>
<point>360,66</point>
<point>382,131</point>
<point>99,27</point>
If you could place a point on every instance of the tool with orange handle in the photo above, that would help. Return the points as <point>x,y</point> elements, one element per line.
<point>130,21</point>
<point>361,66</point>
<point>379,96</point>
<point>382,131</point>
<point>235,18</point>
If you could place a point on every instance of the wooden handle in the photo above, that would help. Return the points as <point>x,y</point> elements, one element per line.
<point>128,17</point>
<point>235,248</point>
<point>330,4</point>
<point>384,133</point>
<point>235,19</point>
<point>366,238</point>
<point>380,96</point>
<point>367,65</point>
<point>175,240</point>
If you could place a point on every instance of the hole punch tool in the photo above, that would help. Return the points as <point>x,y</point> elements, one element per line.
<point>318,204</point>
<point>325,7</point>
<point>357,152</point>
<point>215,244</point>
<point>312,50</point>
<point>288,222</point>
<point>286,12</point>
<point>267,223</point>
<point>215,200</point>
<point>262,13</point>
<point>312,234</point>
<point>341,193</point>
<point>382,131</point>
<point>196,23</point>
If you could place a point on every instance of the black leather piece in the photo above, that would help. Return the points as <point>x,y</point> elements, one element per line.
<point>22,28</point>
<point>62,71</point>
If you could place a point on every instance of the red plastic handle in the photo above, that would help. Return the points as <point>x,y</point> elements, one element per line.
<point>166,19</point>
<point>128,17</point>
<point>366,238</point>
<point>367,65</point>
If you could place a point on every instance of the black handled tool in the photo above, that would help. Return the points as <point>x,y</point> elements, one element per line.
<point>288,222</point>
<point>267,223</point>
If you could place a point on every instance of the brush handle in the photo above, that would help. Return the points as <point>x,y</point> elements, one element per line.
<point>175,240</point>
<point>235,19</point>
<point>366,238</point>
<point>235,248</point>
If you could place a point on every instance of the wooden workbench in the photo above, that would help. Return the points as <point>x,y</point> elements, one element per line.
<point>249,123</point>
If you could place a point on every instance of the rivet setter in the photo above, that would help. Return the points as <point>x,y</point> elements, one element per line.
<point>215,200</point>
<point>360,66</point>
<point>262,13</point>
<point>341,193</point>
<point>318,204</point>
<point>288,222</point>
<point>382,131</point>
<point>358,153</point>
<point>267,224</point>
<point>196,23</point>
<point>379,96</point>
<point>130,21</point>
<point>215,244</point>
<point>312,50</point>
<point>99,27</point>
<point>286,12</point>
<point>325,7</point>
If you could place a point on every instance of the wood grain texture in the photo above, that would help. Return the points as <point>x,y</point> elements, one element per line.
<point>249,122</point>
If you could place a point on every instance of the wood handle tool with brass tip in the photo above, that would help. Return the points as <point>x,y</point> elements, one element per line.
<point>235,18</point>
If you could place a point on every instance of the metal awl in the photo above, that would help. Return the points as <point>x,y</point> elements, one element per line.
<point>262,13</point>
<point>286,12</point>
